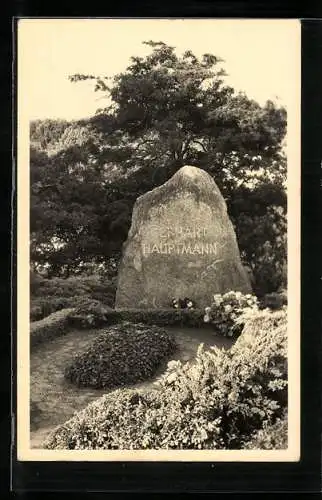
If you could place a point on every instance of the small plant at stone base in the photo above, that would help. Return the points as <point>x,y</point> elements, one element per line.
<point>225,310</point>
<point>185,303</point>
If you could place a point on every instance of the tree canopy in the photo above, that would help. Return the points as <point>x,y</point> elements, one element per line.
<point>169,110</point>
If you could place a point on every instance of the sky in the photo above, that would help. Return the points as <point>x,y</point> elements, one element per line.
<point>261,57</point>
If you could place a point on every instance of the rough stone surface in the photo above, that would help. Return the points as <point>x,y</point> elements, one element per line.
<point>181,244</point>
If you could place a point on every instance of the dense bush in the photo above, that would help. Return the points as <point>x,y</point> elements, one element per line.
<point>50,295</point>
<point>36,311</point>
<point>42,307</point>
<point>123,354</point>
<point>54,325</point>
<point>258,323</point>
<point>270,437</point>
<point>218,402</point>
<point>226,309</point>
<point>159,317</point>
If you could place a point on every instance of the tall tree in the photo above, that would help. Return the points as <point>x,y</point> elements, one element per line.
<point>169,110</point>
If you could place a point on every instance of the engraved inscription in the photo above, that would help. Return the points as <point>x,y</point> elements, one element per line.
<point>190,242</point>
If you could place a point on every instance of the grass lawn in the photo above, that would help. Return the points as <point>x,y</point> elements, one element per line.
<point>57,400</point>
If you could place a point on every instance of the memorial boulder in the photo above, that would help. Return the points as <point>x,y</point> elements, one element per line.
<point>181,244</point>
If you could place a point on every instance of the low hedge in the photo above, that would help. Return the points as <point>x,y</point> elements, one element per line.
<point>124,354</point>
<point>221,316</point>
<point>164,317</point>
<point>55,325</point>
<point>218,402</point>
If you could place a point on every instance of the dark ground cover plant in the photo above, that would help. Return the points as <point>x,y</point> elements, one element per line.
<point>220,401</point>
<point>124,354</point>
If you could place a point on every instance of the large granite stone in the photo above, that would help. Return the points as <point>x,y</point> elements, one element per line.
<point>181,244</point>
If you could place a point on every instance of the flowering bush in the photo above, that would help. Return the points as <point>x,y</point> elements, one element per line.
<point>226,309</point>
<point>259,322</point>
<point>185,303</point>
<point>218,402</point>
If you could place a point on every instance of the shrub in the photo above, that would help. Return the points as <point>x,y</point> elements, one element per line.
<point>270,437</point>
<point>265,334</point>
<point>35,415</point>
<point>53,294</point>
<point>95,286</point>
<point>261,323</point>
<point>218,402</point>
<point>274,300</point>
<point>226,309</point>
<point>36,312</point>
<point>41,307</point>
<point>162,317</point>
<point>53,326</point>
<point>123,354</point>
<point>91,313</point>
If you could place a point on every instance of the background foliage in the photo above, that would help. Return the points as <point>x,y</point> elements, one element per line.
<point>166,110</point>
<point>79,291</point>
